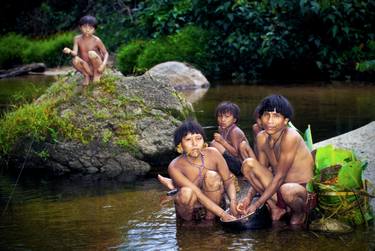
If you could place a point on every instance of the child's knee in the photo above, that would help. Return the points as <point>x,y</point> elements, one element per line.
<point>76,61</point>
<point>93,55</point>
<point>185,195</point>
<point>248,165</point>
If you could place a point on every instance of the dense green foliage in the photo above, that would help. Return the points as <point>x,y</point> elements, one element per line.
<point>127,56</point>
<point>16,49</point>
<point>12,48</point>
<point>189,45</point>
<point>253,39</point>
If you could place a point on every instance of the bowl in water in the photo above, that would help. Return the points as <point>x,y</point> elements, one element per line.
<point>261,218</point>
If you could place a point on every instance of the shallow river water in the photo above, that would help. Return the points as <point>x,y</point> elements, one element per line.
<point>85,214</point>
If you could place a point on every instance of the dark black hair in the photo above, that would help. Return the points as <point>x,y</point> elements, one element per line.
<point>188,126</point>
<point>256,112</point>
<point>90,20</point>
<point>278,103</point>
<point>230,107</point>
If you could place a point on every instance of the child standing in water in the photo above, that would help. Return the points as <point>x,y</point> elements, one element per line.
<point>230,139</point>
<point>89,53</point>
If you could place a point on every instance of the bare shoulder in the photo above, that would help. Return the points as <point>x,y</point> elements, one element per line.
<point>174,163</point>
<point>97,39</point>
<point>78,38</point>
<point>238,131</point>
<point>292,136</point>
<point>261,138</point>
<point>210,151</point>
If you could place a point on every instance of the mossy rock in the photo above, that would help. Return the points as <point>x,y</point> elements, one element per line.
<point>118,125</point>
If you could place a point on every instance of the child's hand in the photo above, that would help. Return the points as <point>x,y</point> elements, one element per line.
<point>242,207</point>
<point>227,217</point>
<point>233,208</point>
<point>67,50</point>
<point>218,137</point>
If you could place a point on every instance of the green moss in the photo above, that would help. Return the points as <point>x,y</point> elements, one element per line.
<point>126,137</point>
<point>106,135</point>
<point>39,122</point>
<point>44,154</point>
<point>102,114</point>
<point>108,83</point>
<point>62,114</point>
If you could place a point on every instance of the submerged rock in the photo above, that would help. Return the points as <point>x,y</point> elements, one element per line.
<point>122,125</point>
<point>330,225</point>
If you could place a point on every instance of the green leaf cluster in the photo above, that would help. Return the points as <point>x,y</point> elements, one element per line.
<point>265,39</point>
<point>189,45</point>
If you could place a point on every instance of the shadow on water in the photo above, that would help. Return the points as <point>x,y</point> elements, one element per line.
<point>94,214</point>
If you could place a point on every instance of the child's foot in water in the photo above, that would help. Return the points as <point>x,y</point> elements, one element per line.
<point>277,213</point>
<point>166,182</point>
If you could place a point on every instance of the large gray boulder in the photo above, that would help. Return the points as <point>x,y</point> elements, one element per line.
<point>121,126</point>
<point>180,75</point>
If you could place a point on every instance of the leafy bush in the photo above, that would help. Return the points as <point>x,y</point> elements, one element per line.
<point>127,55</point>
<point>156,51</point>
<point>49,51</point>
<point>12,47</point>
<point>16,49</point>
<point>252,39</point>
<point>188,45</point>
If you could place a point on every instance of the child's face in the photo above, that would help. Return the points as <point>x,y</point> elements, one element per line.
<point>87,30</point>
<point>192,144</point>
<point>225,120</point>
<point>273,122</point>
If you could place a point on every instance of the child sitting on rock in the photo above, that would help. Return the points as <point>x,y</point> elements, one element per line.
<point>89,53</point>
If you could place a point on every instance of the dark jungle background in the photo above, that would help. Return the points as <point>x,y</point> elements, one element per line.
<point>252,40</point>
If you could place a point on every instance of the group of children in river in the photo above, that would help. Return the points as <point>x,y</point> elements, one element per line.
<point>278,170</point>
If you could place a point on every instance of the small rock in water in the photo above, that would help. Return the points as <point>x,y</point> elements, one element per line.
<point>330,225</point>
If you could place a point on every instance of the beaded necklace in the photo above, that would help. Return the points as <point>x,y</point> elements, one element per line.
<point>199,166</point>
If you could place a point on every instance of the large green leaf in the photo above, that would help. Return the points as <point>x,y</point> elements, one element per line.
<point>307,136</point>
<point>350,173</point>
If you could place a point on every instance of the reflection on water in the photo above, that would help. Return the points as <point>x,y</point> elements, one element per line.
<point>22,89</point>
<point>47,215</point>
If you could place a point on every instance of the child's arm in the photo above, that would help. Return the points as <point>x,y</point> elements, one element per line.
<point>104,53</point>
<point>73,52</point>
<point>219,139</point>
<point>236,137</point>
